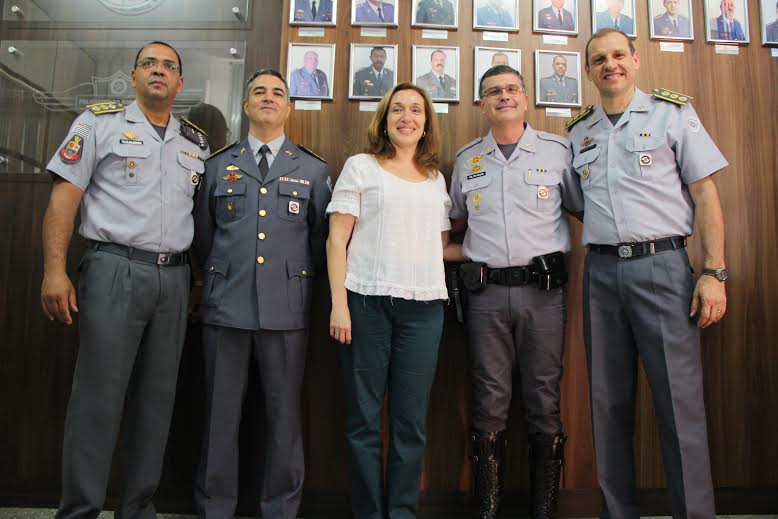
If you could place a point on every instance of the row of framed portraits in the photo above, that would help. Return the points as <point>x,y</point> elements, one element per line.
<point>725,20</point>
<point>373,71</point>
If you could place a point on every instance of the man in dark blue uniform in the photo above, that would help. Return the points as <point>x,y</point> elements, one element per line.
<point>260,231</point>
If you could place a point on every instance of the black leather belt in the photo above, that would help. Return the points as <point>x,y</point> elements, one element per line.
<point>163,259</point>
<point>511,276</point>
<point>633,250</point>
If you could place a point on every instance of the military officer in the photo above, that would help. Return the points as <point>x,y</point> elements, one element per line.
<point>134,170</point>
<point>309,80</point>
<point>771,29</point>
<point>436,82</point>
<point>374,11</point>
<point>260,231</point>
<point>614,18</point>
<point>645,164</point>
<point>435,12</point>
<point>493,14</point>
<point>524,176</point>
<point>375,80</point>
<point>726,26</point>
<point>671,23</point>
<point>559,88</point>
<point>555,17</point>
<point>312,11</point>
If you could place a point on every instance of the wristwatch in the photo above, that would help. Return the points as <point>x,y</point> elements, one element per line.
<point>720,274</point>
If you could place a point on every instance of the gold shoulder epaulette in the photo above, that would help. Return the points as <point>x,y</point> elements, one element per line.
<point>107,107</point>
<point>309,152</point>
<point>674,97</point>
<point>583,114</point>
<point>193,125</point>
<point>217,152</point>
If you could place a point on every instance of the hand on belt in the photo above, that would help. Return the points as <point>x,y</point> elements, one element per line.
<point>163,259</point>
<point>634,250</point>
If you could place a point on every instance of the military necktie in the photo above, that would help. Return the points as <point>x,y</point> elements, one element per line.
<point>675,25</point>
<point>441,83</point>
<point>263,165</point>
<point>616,23</point>
<point>313,10</point>
<point>559,17</point>
<point>380,14</point>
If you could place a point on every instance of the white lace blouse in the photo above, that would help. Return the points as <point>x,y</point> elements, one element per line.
<point>395,247</point>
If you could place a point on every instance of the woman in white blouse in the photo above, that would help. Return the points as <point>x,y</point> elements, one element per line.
<point>388,228</point>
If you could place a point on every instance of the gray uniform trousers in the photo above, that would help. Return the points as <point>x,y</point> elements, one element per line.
<point>640,307</point>
<point>516,327</point>
<point>132,324</point>
<point>280,357</point>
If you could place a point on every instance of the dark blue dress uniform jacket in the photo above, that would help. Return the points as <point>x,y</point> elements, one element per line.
<point>261,242</point>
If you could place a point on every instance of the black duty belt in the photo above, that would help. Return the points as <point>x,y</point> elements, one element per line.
<point>633,250</point>
<point>163,259</point>
<point>511,276</point>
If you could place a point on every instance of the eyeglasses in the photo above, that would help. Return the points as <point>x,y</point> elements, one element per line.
<point>147,63</point>
<point>494,92</point>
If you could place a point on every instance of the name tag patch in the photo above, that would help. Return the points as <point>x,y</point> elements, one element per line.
<point>476,175</point>
<point>130,141</point>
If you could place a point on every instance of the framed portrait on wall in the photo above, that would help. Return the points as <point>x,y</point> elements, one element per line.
<point>555,16</point>
<point>371,70</point>
<point>312,12</point>
<point>436,69</point>
<point>310,70</point>
<point>496,15</point>
<point>438,14</point>
<point>488,57</point>
<point>768,10</point>
<point>726,21</point>
<point>614,14</point>
<point>382,13</point>
<point>670,20</point>
<point>557,78</point>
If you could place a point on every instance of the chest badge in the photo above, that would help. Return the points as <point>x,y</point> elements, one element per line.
<point>476,199</point>
<point>475,160</point>
<point>232,167</point>
<point>476,169</point>
<point>585,173</point>
<point>645,159</point>
<point>130,135</point>
<point>232,177</point>
<point>587,141</point>
<point>542,192</point>
<point>294,207</point>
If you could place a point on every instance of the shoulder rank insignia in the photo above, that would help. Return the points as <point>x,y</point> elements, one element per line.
<point>107,107</point>
<point>219,151</point>
<point>309,152</point>
<point>193,133</point>
<point>674,97</point>
<point>583,114</point>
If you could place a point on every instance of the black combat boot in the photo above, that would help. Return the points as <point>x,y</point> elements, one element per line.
<point>489,470</point>
<point>547,455</point>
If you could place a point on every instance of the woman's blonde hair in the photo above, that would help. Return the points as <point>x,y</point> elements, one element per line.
<point>427,157</point>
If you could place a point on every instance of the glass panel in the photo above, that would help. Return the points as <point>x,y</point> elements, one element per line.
<point>127,13</point>
<point>45,85</point>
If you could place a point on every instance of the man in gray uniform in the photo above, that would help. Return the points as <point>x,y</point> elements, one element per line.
<point>509,189</point>
<point>375,80</point>
<point>436,82</point>
<point>260,232</point>
<point>559,88</point>
<point>672,24</point>
<point>134,170</point>
<point>645,164</point>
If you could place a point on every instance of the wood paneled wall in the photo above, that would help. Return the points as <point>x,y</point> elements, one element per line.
<point>735,97</point>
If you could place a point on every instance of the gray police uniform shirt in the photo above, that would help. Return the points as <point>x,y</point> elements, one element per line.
<point>137,188</point>
<point>514,206</point>
<point>260,242</point>
<point>634,176</point>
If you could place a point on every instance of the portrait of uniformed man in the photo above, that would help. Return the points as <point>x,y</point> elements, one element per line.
<point>376,78</point>
<point>642,302</point>
<point>438,82</point>
<point>373,12</point>
<point>770,29</point>
<point>431,13</point>
<point>557,16</point>
<point>614,14</point>
<point>559,87</point>
<point>309,68</point>
<point>133,170</point>
<point>671,19</point>
<point>313,12</point>
<point>260,231</point>
<point>726,26</point>
<point>488,57</point>
<point>497,14</point>
<point>511,191</point>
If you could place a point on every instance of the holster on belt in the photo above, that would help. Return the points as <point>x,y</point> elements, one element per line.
<point>473,276</point>
<point>456,292</point>
<point>550,270</point>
